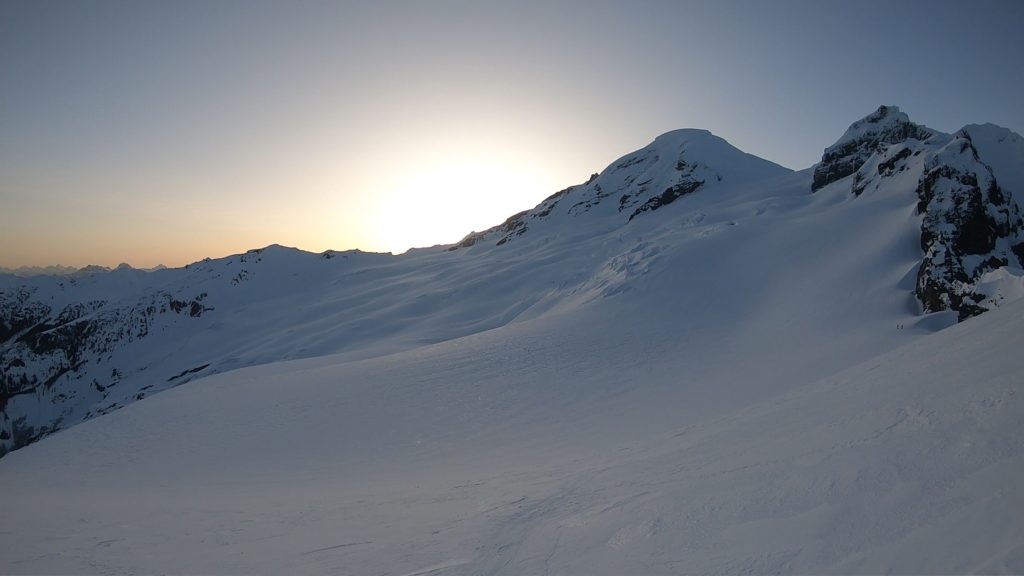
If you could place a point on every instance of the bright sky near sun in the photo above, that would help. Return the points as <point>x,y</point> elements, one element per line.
<point>165,132</point>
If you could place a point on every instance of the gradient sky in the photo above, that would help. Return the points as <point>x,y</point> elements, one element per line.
<point>164,132</point>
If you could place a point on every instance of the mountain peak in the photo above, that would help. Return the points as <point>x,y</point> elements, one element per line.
<point>682,135</point>
<point>886,125</point>
<point>1002,150</point>
<point>883,118</point>
<point>676,164</point>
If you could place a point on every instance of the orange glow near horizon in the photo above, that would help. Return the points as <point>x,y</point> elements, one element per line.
<point>167,132</point>
<point>414,192</point>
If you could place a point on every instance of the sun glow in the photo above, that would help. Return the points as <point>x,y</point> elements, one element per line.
<point>441,198</point>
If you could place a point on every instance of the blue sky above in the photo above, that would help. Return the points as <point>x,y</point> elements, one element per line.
<point>169,131</point>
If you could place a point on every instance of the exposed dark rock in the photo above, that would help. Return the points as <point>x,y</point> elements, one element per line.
<point>885,126</point>
<point>6,395</point>
<point>1018,250</point>
<point>886,168</point>
<point>966,215</point>
<point>517,223</point>
<point>195,307</point>
<point>645,156</point>
<point>188,371</point>
<point>466,242</point>
<point>18,313</point>
<point>670,195</point>
<point>549,204</point>
<point>544,212</point>
<point>43,349</point>
<point>514,226</point>
<point>859,183</point>
<point>598,194</point>
<point>976,233</point>
<point>624,201</point>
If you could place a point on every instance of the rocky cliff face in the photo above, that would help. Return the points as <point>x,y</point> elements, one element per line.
<point>865,138</point>
<point>970,224</point>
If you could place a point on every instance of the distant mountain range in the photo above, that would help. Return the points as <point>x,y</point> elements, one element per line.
<point>58,270</point>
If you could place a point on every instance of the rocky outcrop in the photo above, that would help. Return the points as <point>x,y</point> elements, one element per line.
<point>865,138</point>
<point>971,226</point>
<point>688,184</point>
<point>514,226</point>
<point>41,348</point>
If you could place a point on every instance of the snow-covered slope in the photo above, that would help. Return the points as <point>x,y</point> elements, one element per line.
<point>697,361</point>
<point>745,431</point>
<point>897,211</point>
<point>73,348</point>
<point>676,164</point>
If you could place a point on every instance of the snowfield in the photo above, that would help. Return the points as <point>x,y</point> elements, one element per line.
<point>689,364</point>
<point>528,451</point>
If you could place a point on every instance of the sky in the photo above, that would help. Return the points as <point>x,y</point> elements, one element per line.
<point>155,132</point>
